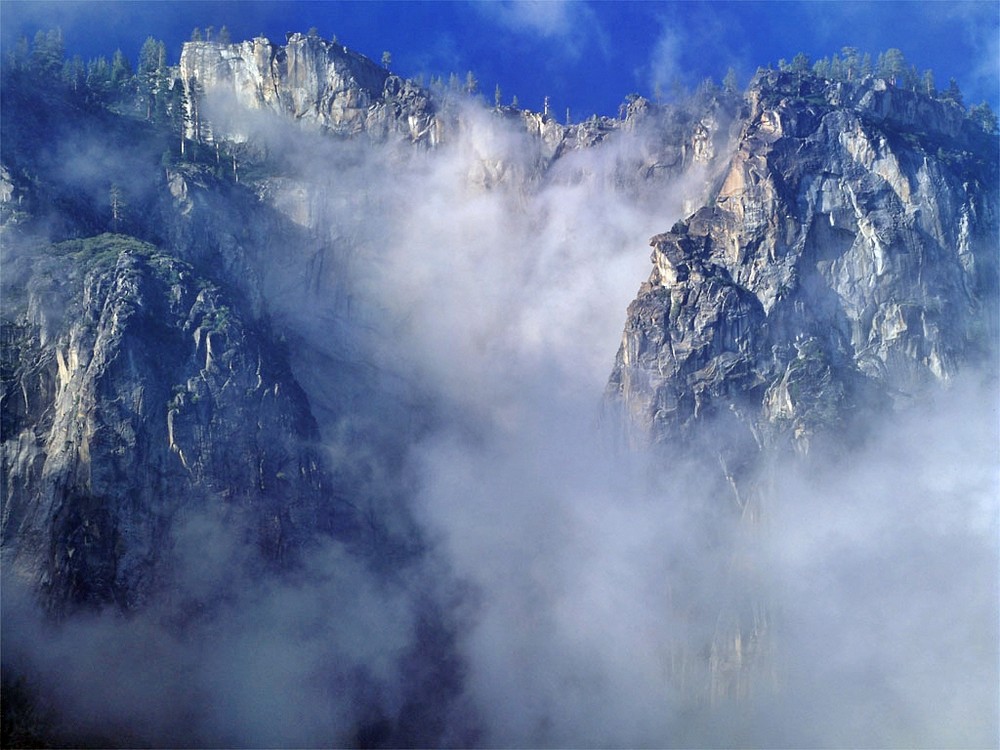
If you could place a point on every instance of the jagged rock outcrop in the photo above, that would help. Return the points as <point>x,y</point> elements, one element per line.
<point>312,80</point>
<point>325,85</point>
<point>123,356</point>
<point>847,263</point>
<point>848,259</point>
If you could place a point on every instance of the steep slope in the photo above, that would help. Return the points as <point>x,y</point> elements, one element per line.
<point>314,81</point>
<point>848,260</point>
<point>846,267</point>
<point>123,356</point>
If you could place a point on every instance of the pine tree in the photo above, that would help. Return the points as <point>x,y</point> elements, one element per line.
<point>74,74</point>
<point>983,115</point>
<point>117,203</point>
<point>836,68</point>
<point>178,112</point>
<point>161,103</point>
<point>800,63</point>
<point>866,65</point>
<point>195,96</point>
<point>892,65</point>
<point>928,82</point>
<point>121,74</point>
<point>47,52</point>
<point>953,93</point>
<point>497,96</point>
<point>471,84</point>
<point>224,37</point>
<point>731,83</point>
<point>98,79</point>
<point>19,55</point>
<point>850,62</point>
<point>147,75</point>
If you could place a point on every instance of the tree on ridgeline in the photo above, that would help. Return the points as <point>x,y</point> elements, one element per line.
<point>122,78</point>
<point>927,83</point>
<point>891,65</point>
<point>98,79</point>
<point>117,203</point>
<point>836,68</point>
<point>983,115</point>
<point>18,56</point>
<point>74,74</point>
<point>866,65</point>
<point>178,112</point>
<point>953,93</point>
<point>731,83</point>
<point>850,62</point>
<point>47,52</point>
<point>151,76</point>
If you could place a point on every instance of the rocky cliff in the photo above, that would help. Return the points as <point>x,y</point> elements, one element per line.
<point>328,87</point>
<point>191,341</point>
<point>314,81</point>
<point>124,356</point>
<point>846,267</point>
<point>847,261</point>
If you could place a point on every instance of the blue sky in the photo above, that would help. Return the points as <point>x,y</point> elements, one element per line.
<point>585,55</point>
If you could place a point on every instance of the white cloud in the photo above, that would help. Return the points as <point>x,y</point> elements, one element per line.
<point>573,25</point>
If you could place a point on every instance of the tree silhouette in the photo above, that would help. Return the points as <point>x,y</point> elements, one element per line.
<point>117,203</point>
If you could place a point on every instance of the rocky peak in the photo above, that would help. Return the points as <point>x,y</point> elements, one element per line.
<point>851,233</point>
<point>312,80</point>
<point>875,100</point>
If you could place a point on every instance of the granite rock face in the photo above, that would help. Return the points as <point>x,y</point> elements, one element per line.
<point>325,86</point>
<point>124,356</point>
<point>846,266</point>
<point>316,82</point>
<point>847,261</point>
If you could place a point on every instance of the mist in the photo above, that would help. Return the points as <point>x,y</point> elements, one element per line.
<point>576,580</point>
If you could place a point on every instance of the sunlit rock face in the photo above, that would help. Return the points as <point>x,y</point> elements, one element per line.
<point>847,261</point>
<point>316,82</point>
<point>323,85</point>
<point>846,265</point>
